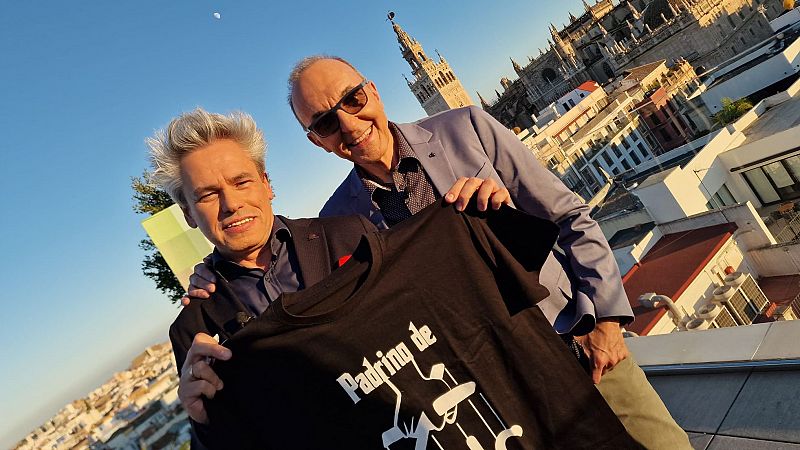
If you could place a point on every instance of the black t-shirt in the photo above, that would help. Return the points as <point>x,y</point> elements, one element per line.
<point>426,338</point>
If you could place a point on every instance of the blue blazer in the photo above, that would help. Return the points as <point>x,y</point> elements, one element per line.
<point>581,274</point>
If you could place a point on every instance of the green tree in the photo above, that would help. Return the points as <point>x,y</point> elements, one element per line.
<point>732,110</point>
<point>147,199</point>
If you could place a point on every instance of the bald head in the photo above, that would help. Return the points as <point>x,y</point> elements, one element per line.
<point>316,86</point>
<point>301,66</point>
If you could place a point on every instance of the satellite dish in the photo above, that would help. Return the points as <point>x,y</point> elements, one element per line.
<point>217,15</point>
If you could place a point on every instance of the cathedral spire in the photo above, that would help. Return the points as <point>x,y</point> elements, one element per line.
<point>632,9</point>
<point>517,67</point>
<point>484,105</point>
<point>433,84</point>
<point>405,41</point>
<point>586,6</point>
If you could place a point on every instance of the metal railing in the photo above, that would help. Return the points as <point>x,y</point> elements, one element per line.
<point>791,231</point>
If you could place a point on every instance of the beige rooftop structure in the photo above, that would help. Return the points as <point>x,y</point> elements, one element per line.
<point>180,245</point>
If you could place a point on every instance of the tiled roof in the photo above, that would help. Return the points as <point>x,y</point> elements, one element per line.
<point>638,73</point>
<point>780,290</point>
<point>669,267</point>
<point>589,86</point>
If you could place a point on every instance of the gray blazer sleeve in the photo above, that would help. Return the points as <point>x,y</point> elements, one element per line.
<point>537,191</point>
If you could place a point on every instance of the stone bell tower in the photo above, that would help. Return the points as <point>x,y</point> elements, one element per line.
<point>433,83</point>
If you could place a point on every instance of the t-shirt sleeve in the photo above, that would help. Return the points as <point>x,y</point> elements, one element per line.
<point>528,239</point>
<point>516,245</point>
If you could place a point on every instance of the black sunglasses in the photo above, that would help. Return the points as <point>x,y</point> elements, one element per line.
<point>327,123</point>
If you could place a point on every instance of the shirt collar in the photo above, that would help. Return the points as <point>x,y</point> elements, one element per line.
<point>279,235</point>
<point>405,155</point>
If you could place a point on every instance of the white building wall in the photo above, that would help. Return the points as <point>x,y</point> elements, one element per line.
<point>699,291</point>
<point>674,196</point>
<point>751,231</point>
<point>762,75</point>
<point>576,96</point>
<point>787,18</point>
<point>760,150</point>
<point>777,260</point>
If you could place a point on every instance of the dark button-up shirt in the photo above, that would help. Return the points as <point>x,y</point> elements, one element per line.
<point>258,288</point>
<point>410,190</point>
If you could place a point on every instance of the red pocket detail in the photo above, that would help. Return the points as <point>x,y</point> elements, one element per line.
<point>344,259</point>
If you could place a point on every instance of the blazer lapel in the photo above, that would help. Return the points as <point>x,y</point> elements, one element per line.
<point>362,201</point>
<point>431,155</point>
<point>310,246</point>
<point>220,310</point>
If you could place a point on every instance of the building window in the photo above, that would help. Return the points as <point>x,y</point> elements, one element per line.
<point>784,183</point>
<point>616,150</point>
<point>599,170</point>
<point>642,151</point>
<point>655,119</point>
<point>625,164</point>
<point>607,159</point>
<point>635,158</point>
<point>664,135</point>
<point>792,164</point>
<point>624,142</point>
<point>760,184</point>
<point>586,174</point>
<point>721,198</point>
<point>725,196</point>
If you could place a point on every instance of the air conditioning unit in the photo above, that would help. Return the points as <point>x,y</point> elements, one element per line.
<point>731,299</point>
<point>723,293</point>
<point>749,288</point>
<point>698,324</point>
<point>709,311</point>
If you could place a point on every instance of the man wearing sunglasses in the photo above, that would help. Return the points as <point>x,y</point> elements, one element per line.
<point>401,168</point>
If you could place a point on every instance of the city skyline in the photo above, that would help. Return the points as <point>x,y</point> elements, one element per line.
<point>89,82</point>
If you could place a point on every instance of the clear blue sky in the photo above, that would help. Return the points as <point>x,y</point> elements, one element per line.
<point>83,83</point>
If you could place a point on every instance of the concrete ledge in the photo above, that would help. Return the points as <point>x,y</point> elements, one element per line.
<point>760,342</point>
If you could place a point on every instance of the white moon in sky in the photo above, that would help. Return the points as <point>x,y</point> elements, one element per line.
<point>217,15</point>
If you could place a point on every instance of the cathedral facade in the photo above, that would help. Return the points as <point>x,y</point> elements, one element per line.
<point>610,37</point>
<point>434,85</point>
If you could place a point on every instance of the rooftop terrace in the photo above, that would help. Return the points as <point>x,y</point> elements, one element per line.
<point>776,119</point>
<point>729,388</point>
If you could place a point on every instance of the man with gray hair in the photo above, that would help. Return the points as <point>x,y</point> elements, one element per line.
<point>212,165</point>
<point>399,169</point>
